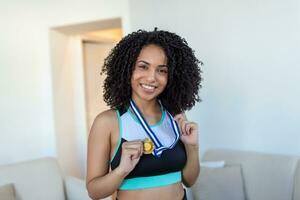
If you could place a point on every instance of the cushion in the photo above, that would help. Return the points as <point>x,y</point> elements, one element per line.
<point>38,179</point>
<point>7,192</point>
<point>219,184</point>
<point>297,183</point>
<point>265,176</point>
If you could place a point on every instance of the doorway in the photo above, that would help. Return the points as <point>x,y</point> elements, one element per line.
<point>96,47</point>
<point>77,55</point>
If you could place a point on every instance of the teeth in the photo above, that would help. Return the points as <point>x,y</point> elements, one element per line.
<point>150,87</point>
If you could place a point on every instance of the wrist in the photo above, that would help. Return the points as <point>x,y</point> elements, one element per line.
<point>192,147</point>
<point>120,172</point>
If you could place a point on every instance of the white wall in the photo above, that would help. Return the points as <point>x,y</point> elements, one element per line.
<point>27,122</point>
<point>250,50</point>
<point>251,74</point>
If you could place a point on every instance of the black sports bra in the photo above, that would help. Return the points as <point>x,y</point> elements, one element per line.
<point>150,170</point>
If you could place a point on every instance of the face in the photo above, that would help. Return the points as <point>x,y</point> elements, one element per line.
<point>150,73</point>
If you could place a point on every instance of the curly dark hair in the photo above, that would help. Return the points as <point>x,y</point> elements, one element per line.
<point>184,73</point>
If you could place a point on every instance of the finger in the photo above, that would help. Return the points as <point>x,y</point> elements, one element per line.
<point>132,152</point>
<point>179,122</point>
<point>183,126</point>
<point>177,117</point>
<point>135,144</point>
<point>192,126</point>
<point>132,146</point>
<point>136,155</point>
<point>180,115</point>
<point>141,150</point>
<point>189,128</point>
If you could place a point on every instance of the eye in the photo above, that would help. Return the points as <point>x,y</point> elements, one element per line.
<point>163,71</point>
<point>142,66</point>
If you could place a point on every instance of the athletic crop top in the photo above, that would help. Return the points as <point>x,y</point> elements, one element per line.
<point>150,171</point>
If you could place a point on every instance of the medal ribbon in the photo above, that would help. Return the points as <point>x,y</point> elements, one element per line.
<point>159,148</point>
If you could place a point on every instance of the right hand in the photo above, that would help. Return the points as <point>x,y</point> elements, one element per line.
<point>131,153</point>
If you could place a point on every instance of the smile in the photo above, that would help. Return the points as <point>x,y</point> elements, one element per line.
<point>148,87</point>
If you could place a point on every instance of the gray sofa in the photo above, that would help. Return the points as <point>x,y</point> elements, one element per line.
<point>249,176</point>
<point>41,179</point>
<point>245,176</point>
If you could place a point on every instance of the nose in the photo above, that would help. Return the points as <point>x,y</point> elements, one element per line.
<point>151,75</point>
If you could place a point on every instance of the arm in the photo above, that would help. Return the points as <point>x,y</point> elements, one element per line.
<point>189,136</point>
<point>101,182</point>
<point>191,170</point>
<point>98,174</point>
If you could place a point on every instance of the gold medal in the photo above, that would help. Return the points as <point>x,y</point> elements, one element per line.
<point>148,146</point>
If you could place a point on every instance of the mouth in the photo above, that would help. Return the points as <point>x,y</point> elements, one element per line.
<point>148,87</point>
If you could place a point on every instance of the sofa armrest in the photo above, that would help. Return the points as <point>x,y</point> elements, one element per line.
<point>75,189</point>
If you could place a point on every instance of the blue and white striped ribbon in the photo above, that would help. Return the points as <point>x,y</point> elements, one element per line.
<point>159,148</point>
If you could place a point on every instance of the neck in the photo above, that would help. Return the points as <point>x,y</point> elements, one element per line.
<point>147,107</point>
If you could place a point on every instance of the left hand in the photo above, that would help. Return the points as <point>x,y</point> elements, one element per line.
<point>189,130</point>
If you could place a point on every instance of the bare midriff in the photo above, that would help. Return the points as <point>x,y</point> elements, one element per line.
<point>169,192</point>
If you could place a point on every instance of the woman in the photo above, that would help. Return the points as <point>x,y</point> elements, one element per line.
<point>144,147</point>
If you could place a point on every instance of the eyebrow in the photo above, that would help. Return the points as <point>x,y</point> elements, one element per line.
<point>145,62</point>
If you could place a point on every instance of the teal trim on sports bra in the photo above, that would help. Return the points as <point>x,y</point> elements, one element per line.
<point>153,125</point>
<point>120,135</point>
<point>151,181</point>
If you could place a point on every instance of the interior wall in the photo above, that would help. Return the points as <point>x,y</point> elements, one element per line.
<point>251,68</point>
<point>68,103</point>
<point>27,116</point>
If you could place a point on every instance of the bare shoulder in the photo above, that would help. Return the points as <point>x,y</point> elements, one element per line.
<point>106,116</point>
<point>99,144</point>
<point>105,122</point>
